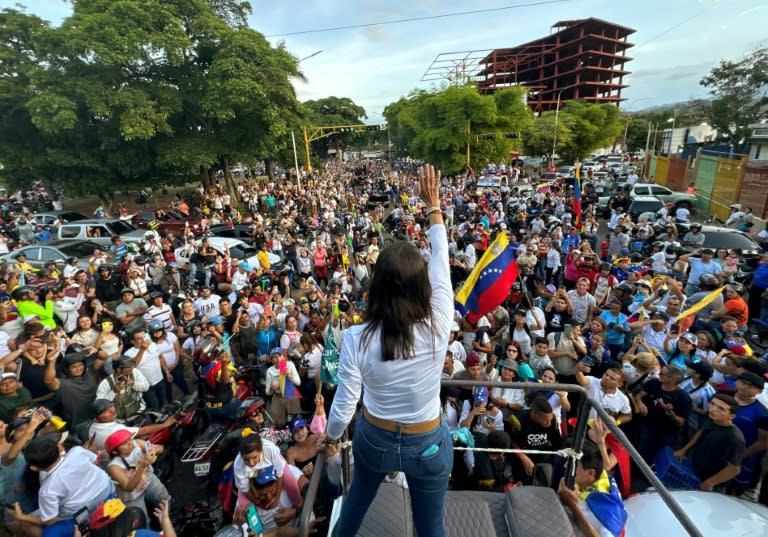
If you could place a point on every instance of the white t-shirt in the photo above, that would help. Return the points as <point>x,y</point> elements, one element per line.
<point>73,484</point>
<point>270,456</point>
<point>615,402</point>
<point>4,349</point>
<point>150,363</point>
<point>167,349</point>
<point>207,306</point>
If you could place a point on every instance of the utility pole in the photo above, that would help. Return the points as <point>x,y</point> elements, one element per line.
<point>306,148</point>
<point>296,160</point>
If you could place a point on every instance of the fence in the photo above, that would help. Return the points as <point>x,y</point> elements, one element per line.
<point>720,181</point>
<point>671,172</point>
<point>754,188</point>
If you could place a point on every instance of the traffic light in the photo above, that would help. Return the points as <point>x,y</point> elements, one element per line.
<point>370,128</point>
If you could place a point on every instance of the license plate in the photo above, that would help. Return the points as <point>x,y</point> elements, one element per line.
<point>202,469</point>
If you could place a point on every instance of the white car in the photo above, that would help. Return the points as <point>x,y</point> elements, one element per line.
<point>714,514</point>
<point>237,248</point>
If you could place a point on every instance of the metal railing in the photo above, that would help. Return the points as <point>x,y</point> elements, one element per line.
<point>585,407</point>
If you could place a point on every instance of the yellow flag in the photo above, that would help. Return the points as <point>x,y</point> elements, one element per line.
<point>701,304</point>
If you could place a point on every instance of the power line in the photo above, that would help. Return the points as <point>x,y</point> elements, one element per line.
<point>665,32</point>
<point>414,19</point>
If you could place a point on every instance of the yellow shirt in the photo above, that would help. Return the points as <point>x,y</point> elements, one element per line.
<point>263,258</point>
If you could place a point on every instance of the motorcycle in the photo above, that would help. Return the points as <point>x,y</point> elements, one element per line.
<point>204,446</point>
<point>167,437</point>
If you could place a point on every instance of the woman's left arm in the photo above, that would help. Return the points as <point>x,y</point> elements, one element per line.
<point>349,388</point>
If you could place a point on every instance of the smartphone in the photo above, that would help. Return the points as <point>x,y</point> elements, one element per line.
<point>254,520</point>
<point>588,361</point>
<point>675,328</point>
<point>567,331</point>
<point>82,518</point>
<point>490,420</point>
<point>148,447</point>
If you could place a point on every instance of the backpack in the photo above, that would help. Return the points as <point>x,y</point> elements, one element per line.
<point>127,403</point>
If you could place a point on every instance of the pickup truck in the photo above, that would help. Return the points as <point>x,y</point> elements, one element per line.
<point>677,199</point>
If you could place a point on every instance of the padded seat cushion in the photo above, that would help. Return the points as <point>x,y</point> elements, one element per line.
<point>536,512</point>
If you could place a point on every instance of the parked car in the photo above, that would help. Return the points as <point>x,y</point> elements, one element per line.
<point>644,205</point>
<point>677,199</point>
<point>238,231</point>
<point>716,237</point>
<point>237,249</point>
<point>566,171</point>
<point>52,219</point>
<point>39,254</point>
<point>165,220</point>
<point>100,231</point>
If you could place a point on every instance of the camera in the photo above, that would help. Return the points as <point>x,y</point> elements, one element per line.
<point>121,379</point>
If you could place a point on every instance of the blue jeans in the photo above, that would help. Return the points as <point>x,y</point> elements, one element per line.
<point>378,452</point>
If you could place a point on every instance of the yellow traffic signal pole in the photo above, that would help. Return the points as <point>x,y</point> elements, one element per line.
<point>306,148</point>
<point>330,130</point>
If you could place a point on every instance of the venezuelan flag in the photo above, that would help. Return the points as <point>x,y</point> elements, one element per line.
<point>287,387</point>
<point>578,224</point>
<point>489,282</point>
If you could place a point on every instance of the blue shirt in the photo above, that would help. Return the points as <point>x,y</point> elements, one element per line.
<point>698,268</point>
<point>613,336</point>
<point>760,278</point>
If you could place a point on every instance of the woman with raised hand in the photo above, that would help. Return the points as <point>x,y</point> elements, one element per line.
<point>397,356</point>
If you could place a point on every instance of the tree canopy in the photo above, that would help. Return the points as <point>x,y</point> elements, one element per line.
<point>436,126</point>
<point>581,129</point>
<point>739,91</point>
<point>134,92</point>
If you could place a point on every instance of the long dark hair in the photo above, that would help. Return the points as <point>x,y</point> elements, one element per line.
<point>400,296</point>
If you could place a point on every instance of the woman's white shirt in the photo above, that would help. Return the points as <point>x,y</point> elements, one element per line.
<point>404,391</point>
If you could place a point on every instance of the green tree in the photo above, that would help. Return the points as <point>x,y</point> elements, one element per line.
<point>637,133</point>
<point>592,126</point>
<point>540,136</point>
<point>128,93</point>
<point>437,126</point>
<point>334,111</point>
<point>739,91</point>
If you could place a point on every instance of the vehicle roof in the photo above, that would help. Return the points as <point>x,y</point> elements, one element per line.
<point>96,221</point>
<point>61,211</point>
<point>646,198</point>
<point>650,517</point>
<point>69,242</point>
<point>226,241</point>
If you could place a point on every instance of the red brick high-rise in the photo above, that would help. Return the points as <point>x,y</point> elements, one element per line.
<point>582,59</point>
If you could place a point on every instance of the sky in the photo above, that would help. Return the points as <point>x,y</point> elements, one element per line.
<point>677,41</point>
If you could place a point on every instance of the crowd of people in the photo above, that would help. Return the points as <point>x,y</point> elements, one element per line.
<point>84,350</point>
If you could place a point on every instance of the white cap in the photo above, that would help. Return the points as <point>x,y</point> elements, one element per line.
<point>455,327</point>
<point>483,322</point>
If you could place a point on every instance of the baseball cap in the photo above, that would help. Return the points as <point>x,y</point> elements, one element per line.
<point>709,251</point>
<point>106,513</point>
<point>480,395</point>
<point>702,367</point>
<point>455,327</point>
<point>266,475</point>
<point>510,364</point>
<point>276,350</point>
<point>117,438</point>
<point>472,360</point>
<point>752,379</point>
<point>9,375</point>
<point>690,337</point>
<point>126,290</point>
<point>298,424</point>
<point>659,315</point>
<point>483,322</point>
<point>100,405</point>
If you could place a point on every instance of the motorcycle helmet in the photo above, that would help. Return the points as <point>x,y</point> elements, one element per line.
<point>191,325</point>
<point>206,351</point>
<point>606,266</point>
<point>708,280</point>
<point>155,325</point>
